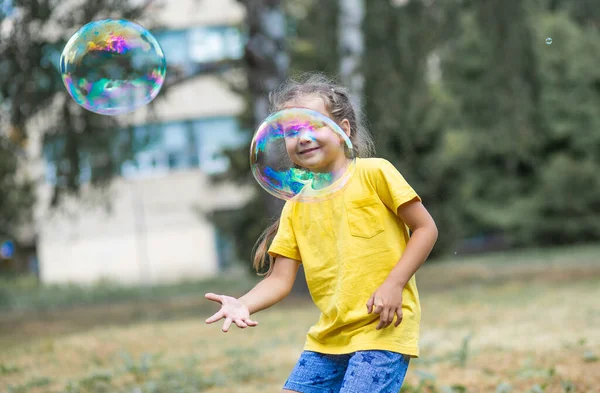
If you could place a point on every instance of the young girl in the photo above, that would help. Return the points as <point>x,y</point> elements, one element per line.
<point>358,255</point>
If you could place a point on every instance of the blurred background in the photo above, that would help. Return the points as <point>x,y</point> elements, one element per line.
<point>113,228</point>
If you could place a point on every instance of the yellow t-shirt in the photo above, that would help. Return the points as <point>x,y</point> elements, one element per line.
<point>348,245</point>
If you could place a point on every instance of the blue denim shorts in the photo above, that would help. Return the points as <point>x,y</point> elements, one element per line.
<point>358,372</point>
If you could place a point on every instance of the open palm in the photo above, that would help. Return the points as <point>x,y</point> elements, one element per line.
<point>232,310</point>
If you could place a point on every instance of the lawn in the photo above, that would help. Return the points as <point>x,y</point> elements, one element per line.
<point>508,322</point>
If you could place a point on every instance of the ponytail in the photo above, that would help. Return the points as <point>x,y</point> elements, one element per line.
<point>262,260</point>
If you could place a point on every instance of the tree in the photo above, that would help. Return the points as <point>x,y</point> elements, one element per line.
<point>527,137</point>
<point>496,130</point>
<point>310,22</point>
<point>584,12</point>
<point>78,141</point>
<point>492,72</point>
<point>408,108</point>
<point>564,206</point>
<point>351,47</point>
<point>266,65</point>
<point>16,198</point>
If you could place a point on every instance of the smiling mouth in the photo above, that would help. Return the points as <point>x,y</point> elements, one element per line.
<point>309,150</point>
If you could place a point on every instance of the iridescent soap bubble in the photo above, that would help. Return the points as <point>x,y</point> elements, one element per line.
<point>290,152</point>
<point>112,67</point>
<point>549,40</point>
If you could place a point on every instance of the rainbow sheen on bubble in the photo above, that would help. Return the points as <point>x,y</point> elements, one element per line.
<point>275,170</point>
<point>112,67</point>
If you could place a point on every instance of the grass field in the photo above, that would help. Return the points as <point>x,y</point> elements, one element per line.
<point>511,322</point>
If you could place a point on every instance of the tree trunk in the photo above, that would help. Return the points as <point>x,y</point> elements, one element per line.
<point>351,47</point>
<point>267,64</point>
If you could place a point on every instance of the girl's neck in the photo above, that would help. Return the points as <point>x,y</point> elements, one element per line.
<point>329,175</point>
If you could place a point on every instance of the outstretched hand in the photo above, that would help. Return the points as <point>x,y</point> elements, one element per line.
<point>232,310</point>
<point>387,302</point>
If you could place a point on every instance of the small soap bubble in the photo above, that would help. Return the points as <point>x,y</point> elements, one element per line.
<point>291,155</point>
<point>548,40</point>
<point>112,67</point>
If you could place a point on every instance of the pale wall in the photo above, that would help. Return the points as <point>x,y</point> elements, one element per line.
<point>154,233</point>
<point>192,13</point>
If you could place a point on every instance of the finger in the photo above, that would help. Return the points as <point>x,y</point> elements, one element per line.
<point>370,304</point>
<point>250,322</point>
<point>386,315</point>
<point>390,316</point>
<point>214,297</point>
<point>218,315</point>
<point>226,324</point>
<point>399,319</point>
<point>380,324</point>
<point>240,323</point>
<point>382,320</point>
<point>378,307</point>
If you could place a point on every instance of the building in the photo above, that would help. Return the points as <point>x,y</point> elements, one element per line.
<point>155,229</point>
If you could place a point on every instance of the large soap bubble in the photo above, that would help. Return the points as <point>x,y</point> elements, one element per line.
<point>112,67</point>
<point>300,154</point>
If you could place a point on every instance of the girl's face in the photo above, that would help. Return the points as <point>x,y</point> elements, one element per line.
<point>319,149</point>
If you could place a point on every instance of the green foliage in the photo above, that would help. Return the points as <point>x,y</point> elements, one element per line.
<point>529,124</point>
<point>182,355</point>
<point>409,112</point>
<point>25,294</point>
<point>139,370</point>
<point>6,369</point>
<point>490,76</point>
<point>309,21</point>
<point>590,357</point>
<point>150,375</point>
<point>565,204</point>
<point>504,387</point>
<point>463,353</point>
<point>497,131</point>
<point>33,383</point>
<point>536,389</point>
<point>567,386</point>
<point>17,197</point>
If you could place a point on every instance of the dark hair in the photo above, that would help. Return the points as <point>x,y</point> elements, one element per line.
<point>338,102</point>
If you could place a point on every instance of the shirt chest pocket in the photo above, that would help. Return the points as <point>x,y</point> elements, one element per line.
<point>364,216</point>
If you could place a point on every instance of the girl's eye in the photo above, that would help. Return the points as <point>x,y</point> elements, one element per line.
<point>295,132</point>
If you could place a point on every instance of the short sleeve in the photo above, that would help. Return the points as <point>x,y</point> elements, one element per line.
<point>392,188</point>
<point>284,243</point>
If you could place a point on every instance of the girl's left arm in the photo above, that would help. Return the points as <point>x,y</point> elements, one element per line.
<point>424,234</point>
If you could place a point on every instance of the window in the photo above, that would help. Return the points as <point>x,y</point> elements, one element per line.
<point>175,136</point>
<point>50,173</point>
<point>6,8</point>
<point>175,46</point>
<point>184,49</point>
<point>213,136</point>
<point>181,145</point>
<point>159,149</point>
<point>201,45</point>
<point>213,44</point>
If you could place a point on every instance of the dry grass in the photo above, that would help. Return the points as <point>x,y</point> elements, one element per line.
<point>486,328</point>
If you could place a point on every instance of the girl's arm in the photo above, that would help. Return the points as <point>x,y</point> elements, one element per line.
<point>387,300</point>
<point>273,288</point>
<point>424,234</point>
